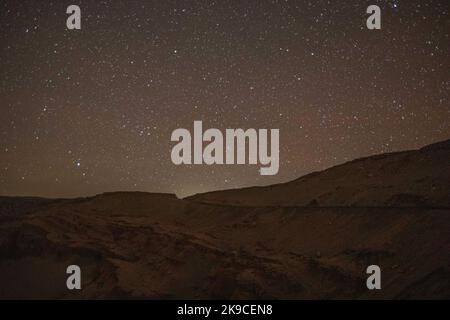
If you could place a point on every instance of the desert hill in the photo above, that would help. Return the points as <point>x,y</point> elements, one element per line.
<point>402,179</point>
<point>272,242</point>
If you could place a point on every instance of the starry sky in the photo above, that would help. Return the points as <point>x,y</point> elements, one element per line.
<point>92,110</point>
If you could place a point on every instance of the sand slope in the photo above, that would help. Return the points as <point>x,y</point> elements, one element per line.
<point>403,179</point>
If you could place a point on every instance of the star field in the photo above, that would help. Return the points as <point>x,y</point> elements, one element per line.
<point>92,110</point>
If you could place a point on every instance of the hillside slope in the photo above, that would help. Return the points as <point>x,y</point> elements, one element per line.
<point>403,179</point>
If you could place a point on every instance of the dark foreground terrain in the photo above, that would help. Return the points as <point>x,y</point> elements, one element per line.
<point>309,238</point>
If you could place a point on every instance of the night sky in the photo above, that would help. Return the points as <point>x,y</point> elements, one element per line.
<point>92,110</point>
